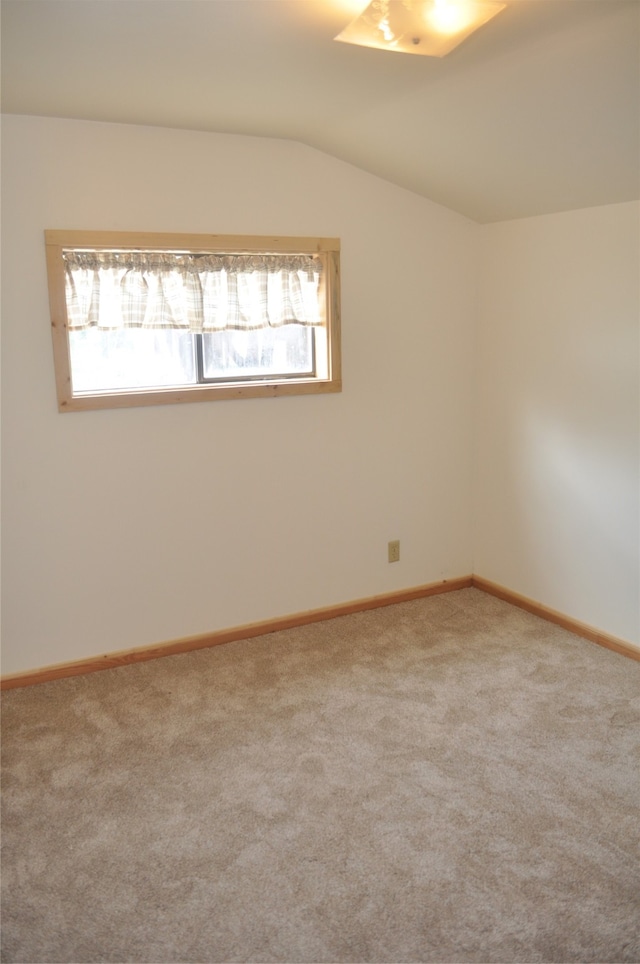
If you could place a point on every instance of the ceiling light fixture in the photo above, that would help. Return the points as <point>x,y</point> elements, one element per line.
<point>428,27</point>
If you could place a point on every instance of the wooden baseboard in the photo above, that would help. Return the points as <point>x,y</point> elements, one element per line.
<point>188,644</point>
<point>552,616</point>
<point>204,641</point>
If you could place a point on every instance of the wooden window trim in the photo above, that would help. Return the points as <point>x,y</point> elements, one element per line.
<point>58,240</point>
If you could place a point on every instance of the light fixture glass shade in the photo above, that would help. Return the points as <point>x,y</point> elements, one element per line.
<point>428,27</point>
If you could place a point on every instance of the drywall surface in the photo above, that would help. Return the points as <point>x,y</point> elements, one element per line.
<point>557,433</point>
<point>131,527</point>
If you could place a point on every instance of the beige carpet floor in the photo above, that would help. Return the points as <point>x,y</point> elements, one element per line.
<point>449,779</point>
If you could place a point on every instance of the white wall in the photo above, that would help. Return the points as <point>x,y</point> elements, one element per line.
<point>128,528</point>
<point>557,443</point>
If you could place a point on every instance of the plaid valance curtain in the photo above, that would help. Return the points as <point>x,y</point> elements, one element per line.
<point>190,292</point>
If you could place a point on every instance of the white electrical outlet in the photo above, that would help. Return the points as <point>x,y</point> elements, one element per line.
<point>394,551</point>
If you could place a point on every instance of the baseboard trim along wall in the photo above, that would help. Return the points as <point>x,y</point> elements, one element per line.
<point>552,616</point>
<point>204,641</point>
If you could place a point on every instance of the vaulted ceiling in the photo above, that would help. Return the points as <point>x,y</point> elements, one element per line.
<point>537,112</point>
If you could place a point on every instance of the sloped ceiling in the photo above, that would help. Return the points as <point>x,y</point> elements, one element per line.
<point>537,112</point>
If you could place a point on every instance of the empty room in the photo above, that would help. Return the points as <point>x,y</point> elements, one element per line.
<point>320,481</point>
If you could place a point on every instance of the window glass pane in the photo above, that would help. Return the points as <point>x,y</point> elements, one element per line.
<point>263,353</point>
<point>131,358</point>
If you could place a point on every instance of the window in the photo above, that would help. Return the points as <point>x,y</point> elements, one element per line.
<point>144,319</point>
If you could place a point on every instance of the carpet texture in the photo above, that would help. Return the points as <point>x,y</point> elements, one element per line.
<point>449,779</point>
